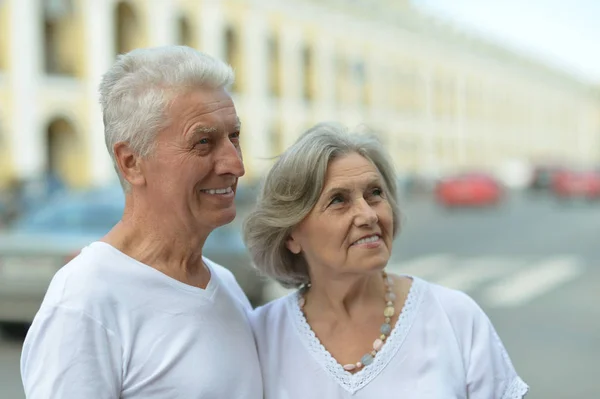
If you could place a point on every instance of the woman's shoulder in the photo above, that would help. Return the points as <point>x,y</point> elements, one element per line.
<point>457,305</point>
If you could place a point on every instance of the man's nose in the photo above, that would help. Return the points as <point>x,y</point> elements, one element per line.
<point>230,160</point>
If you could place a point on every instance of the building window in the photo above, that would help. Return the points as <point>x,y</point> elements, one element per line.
<point>274,72</point>
<point>128,32</point>
<point>185,34</point>
<point>359,82</point>
<point>309,71</point>
<point>61,151</point>
<point>59,45</point>
<point>276,140</point>
<point>233,56</point>
<point>341,79</point>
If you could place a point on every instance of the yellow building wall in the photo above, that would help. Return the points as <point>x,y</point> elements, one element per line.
<point>500,104</point>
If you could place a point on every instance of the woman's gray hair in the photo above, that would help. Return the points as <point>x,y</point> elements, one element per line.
<point>292,188</point>
<point>137,90</point>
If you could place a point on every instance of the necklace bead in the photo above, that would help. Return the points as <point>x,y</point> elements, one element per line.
<point>367,359</point>
<point>389,311</point>
<point>385,328</point>
<point>302,302</point>
<point>378,344</point>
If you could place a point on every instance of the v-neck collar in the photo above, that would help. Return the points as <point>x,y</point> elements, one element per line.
<point>354,382</point>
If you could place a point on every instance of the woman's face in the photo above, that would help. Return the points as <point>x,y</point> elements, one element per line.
<point>350,229</point>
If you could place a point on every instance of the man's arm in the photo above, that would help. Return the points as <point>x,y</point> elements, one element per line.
<point>68,354</point>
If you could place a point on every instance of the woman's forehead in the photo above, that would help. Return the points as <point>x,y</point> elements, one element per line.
<point>350,168</point>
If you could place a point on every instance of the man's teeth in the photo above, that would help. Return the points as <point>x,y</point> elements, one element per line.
<point>219,191</point>
<point>367,239</point>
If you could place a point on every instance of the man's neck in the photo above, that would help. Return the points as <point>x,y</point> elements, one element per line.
<point>174,253</point>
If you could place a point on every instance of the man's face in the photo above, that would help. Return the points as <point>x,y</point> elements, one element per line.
<point>192,175</point>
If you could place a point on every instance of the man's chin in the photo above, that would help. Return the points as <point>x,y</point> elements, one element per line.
<point>225,217</point>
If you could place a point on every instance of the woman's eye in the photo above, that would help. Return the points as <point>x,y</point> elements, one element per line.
<point>336,200</point>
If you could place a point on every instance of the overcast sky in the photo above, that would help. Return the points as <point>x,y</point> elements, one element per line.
<point>563,33</point>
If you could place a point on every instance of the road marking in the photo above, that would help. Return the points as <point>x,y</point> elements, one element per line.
<point>533,282</point>
<point>425,267</point>
<point>478,271</point>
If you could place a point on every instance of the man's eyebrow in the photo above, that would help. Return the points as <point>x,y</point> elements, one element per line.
<point>198,130</point>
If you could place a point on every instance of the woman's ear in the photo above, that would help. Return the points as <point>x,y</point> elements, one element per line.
<point>293,245</point>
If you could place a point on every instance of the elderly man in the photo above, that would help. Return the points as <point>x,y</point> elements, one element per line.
<point>141,313</point>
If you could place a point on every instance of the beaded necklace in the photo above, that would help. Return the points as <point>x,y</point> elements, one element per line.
<point>385,329</point>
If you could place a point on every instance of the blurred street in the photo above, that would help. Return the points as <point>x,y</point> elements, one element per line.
<point>532,263</point>
<point>534,267</point>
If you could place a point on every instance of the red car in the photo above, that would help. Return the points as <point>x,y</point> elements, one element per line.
<point>473,189</point>
<point>573,184</point>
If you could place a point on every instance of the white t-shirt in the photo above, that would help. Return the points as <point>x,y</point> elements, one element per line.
<point>112,327</point>
<point>443,346</point>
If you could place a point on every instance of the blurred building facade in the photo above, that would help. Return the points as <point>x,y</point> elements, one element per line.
<point>441,100</point>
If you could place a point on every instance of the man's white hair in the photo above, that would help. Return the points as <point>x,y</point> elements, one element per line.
<point>136,91</point>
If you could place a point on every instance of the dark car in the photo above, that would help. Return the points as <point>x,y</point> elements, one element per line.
<point>542,177</point>
<point>37,245</point>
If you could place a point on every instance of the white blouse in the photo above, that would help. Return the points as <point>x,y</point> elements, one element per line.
<point>443,346</point>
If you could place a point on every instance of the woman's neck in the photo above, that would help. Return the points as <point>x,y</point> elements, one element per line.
<point>344,297</point>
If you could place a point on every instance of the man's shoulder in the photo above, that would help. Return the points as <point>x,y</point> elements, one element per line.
<point>222,272</point>
<point>85,280</point>
<point>228,280</point>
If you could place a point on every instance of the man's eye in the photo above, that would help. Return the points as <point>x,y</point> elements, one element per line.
<point>378,192</point>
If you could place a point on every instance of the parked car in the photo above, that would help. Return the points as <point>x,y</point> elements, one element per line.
<point>34,248</point>
<point>468,190</point>
<point>542,177</point>
<point>576,184</point>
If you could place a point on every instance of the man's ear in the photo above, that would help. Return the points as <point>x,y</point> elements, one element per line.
<point>128,163</point>
<point>293,245</point>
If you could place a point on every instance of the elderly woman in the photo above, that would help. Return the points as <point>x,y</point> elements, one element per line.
<point>325,224</point>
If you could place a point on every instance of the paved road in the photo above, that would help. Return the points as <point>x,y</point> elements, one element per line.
<point>10,379</point>
<point>534,267</point>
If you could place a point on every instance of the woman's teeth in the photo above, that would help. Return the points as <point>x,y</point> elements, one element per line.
<point>366,240</point>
